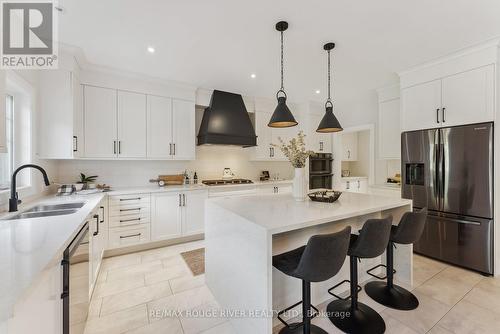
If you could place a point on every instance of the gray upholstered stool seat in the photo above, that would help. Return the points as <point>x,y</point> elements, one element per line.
<point>319,261</point>
<point>408,231</point>
<point>371,242</point>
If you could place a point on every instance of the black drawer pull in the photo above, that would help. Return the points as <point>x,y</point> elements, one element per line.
<point>130,199</point>
<point>129,220</point>
<point>130,236</point>
<point>136,209</point>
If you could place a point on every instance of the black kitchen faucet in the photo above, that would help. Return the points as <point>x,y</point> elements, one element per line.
<point>14,198</point>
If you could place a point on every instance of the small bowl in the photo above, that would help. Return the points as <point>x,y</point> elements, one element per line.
<point>78,186</point>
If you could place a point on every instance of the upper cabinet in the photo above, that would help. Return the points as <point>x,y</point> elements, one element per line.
<point>60,130</point>
<point>457,99</point>
<point>131,135</point>
<point>389,127</point>
<point>349,146</point>
<point>318,142</point>
<point>100,122</point>
<point>183,130</point>
<point>3,134</point>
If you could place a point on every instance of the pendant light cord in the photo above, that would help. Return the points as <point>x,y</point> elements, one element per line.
<point>329,100</point>
<point>282,88</point>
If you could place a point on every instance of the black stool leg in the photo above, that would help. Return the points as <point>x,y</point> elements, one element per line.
<point>306,327</point>
<point>389,294</point>
<point>353,316</point>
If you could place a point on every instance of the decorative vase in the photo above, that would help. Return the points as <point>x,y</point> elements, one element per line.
<point>299,185</point>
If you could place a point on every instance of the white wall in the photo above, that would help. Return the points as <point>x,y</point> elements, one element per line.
<point>209,164</point>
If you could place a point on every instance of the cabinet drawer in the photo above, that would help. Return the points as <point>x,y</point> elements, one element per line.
<point>129,200</point>
<point>125,210</point>
<point>126,236</point>
<point>132,219</point>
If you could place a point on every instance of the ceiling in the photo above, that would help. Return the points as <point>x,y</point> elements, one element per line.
<point>218,44</point>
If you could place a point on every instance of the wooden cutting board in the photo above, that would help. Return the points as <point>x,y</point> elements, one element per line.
<point>172,179</point>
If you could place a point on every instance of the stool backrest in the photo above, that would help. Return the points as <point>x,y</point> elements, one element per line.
<point>323,256</point>
<point>373,238</point>
<point>410,227</point>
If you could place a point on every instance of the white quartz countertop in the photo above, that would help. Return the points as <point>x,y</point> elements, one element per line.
<point>350,178</point>
<point>189,187</point>
<point>281,213</point>
<point>28,246</point>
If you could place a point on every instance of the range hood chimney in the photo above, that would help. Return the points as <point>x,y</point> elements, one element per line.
<point>226,122</point>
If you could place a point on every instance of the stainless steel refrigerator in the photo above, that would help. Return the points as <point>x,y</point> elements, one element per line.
<point>450,171</point>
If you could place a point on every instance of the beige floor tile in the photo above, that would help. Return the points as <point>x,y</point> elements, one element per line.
<point>78,313</point>
<point>325,323</point>
<point>95,307</point>
<point>131,298</point>
<point>164,274</point>
<point>424,269</point>
<point>161,253</point>
<point>132,270</point>
<point>119,322</point>
<point>186,283</point>
<point>117,286</point>
<point>224,328</point>
<point>439,330</point>
<point>194,245</point>
<point>468,318</point>
<point>172,261</point>
<point>179,302</point>
<point>393,326</point>
<point>200,320</point>
<point>77,328</point>
<point>429,312</point>
<point>484,297</point>
<point>465,276</point>
<point>120,261</point>
<point>165,326</point>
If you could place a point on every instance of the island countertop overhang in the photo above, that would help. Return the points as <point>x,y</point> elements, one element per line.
<point>281,213</point>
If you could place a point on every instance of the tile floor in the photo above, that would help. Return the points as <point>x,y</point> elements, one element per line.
<point>135,290</point>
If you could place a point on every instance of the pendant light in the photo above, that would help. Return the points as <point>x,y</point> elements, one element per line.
<point>282,116</point>
<point>329,123</point>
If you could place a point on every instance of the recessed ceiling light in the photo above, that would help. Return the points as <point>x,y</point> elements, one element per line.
<point>253,76</point>
<point>151,49</point>
<point>318,91</point>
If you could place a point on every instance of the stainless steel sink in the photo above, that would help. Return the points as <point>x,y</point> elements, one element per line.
<point>55,207</point>
<point>26,215</point>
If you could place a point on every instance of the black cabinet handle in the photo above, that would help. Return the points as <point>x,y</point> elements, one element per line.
<point>135,209</point>
<point>102,215</point>
<point>129,220</point>
<point>174,148</point>
<point>75,144</point>
<point>444,115</point>
<point>183,199</point>
<point>130,236</point>
<point>437,115</point>
<point>119,147</point>
<point>114,146</point>
<point>130,199</point>
<point>170,146</point>
<point>96,217</point>
<point>180,200</point>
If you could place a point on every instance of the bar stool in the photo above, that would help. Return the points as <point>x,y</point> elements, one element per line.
<point>319,261</point>
<point>408,231</point>
<point>359,318</point>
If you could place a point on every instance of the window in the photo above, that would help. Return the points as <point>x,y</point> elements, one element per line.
<point>7,159</point>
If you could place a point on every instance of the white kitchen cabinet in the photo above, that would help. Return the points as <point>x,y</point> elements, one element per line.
<point>263,150</point>
<point>129,235</point>
<point>183,131</point>
<point>60,130</point>
<point>468,97</point>
<point>421,106</point>
<point>100,122</point>
<point>352,184</point>
<point>3,129</point>
<point>349,146</point>
<point>160,127</point>
<point>131,130</point>
<point>98,239</point>
<point>166,216</point>
<point>276,188</point>
<point>459,99</point>
<point>193,213</point>
<point>389,129</point>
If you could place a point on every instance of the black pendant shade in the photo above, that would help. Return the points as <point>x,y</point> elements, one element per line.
<point>282,116</point>
<point>329,123</point>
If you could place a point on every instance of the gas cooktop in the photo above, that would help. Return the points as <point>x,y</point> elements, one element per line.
<point>226,182</point>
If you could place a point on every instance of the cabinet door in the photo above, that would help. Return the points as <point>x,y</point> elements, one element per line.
<point>78,134</point>
<point>276,134</point>
<point>100,122</point>
<point>421,106</point>
<point>263,150</point>
<point>184,132</point>
<point>361,185</point>
<point>194,212</point>
<point>159,127</point>
<point>131,125</point>
<point>3,129</point>
<point>469,97</point>
<point>389,130</point>
<point>349,146</point>
<point>95,243</point>
<point>166,216</point>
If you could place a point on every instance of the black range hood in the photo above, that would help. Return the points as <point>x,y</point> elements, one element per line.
<point>226,122</point>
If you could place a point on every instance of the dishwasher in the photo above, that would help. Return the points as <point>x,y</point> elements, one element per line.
<point>75,290</point>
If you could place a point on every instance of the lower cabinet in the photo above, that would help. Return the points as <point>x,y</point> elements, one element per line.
<point>177,214</point>
<point>275,189</point>
<point>128,235</point>
<point>355,185</point>
<point>98,238</point>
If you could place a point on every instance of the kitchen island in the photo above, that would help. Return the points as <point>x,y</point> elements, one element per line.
<point>243,233</point>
